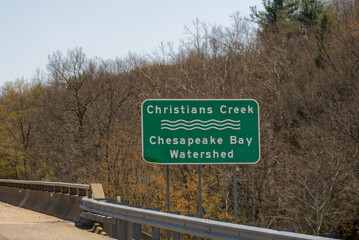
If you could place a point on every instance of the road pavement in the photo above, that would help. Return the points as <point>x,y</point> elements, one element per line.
<point>23,224</point>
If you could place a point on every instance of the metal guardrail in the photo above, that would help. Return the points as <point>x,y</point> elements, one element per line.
<point>60,187</point>
<point>184,224</point>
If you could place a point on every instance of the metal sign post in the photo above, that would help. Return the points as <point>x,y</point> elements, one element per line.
<point>168,195</point>
<point>200,191</point>
<point>235,193</point>
<point>168,187</point>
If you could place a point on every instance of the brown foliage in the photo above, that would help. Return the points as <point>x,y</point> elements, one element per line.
<point>87,122</point>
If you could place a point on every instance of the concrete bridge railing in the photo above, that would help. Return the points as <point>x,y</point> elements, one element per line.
<point>58,199</point>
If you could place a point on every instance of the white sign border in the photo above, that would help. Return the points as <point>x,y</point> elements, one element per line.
<point>214,163</point>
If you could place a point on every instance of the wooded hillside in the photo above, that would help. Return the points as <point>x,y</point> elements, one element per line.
<point>299,59</point>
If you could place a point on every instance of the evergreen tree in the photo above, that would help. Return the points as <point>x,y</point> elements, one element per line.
<point>276,11</point>
<point>280,13</point>
<point>310,12</point>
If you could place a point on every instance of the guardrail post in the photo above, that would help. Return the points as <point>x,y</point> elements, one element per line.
<point>109,225</point>
<point>108,228</point>
<point>115,229</point>
<point>176,235</point>
<point>137,227</point>
<point>156,234</point>
<point>196,237</point>
<point>137,230</point>
<point>130,230</point>
<point>121,229</point>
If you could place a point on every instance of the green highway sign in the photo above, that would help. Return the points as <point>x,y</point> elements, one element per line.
<point>200,131</point>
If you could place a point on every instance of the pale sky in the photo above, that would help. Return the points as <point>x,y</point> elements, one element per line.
<point>30,30</point>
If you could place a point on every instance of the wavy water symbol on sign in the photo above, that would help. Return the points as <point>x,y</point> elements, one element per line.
<point>200,124</point>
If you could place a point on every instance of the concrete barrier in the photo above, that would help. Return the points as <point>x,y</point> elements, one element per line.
<point>60,200</point>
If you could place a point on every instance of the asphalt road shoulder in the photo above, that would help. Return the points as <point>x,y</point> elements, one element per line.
<point>18,224</point>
